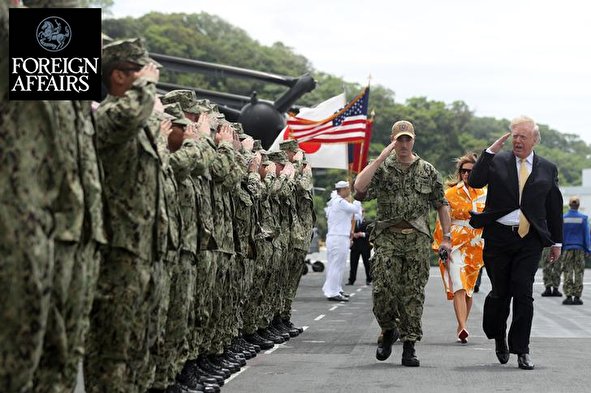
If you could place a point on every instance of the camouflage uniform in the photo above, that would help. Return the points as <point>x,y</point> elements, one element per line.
<point>573,266</point>
<point>303,219</point>
<point>193,157</point>
<point>29,173</point>
<point>265,234</point>
<point>118,357</point>
<point>79,232</point>
<point>551,270</point>
<point>400,267</point>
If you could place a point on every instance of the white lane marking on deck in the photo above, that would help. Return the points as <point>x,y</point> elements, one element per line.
<point>319,317</point>
<point>360,289</point>
<point>333,308</point>
<point>276,347</point>
<point>238,373</point>
<point>351,295</point>
<point>305,328</point>
<point>314,341</point>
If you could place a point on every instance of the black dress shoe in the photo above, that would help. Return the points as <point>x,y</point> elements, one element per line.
<point>501,349</point>
<point>385,347</point>
<point>524,362</point>
<point>345,294</point>
<point>349,283</point>
<point>547,292</point>
<point>338,298</point>
<point>556,292</point>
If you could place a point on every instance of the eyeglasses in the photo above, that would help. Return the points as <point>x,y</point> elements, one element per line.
<point>464,171</point>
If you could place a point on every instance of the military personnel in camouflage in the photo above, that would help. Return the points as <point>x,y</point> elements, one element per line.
<point>302,222</point>
<point>576,245</point>
<point>405,187</point>
<point>551,274</point>
<point>118,356</point>
<point>29,187</point>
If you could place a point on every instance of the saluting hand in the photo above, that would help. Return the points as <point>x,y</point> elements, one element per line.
<point>190,132</point>
<point>247,144</point>
<point>165,127</point>
<point>149,71</point>
<point>225,134</point>
<point>203,124</point>
<point>298,156</point>
<point>387,151</point>
<point>497,146</point>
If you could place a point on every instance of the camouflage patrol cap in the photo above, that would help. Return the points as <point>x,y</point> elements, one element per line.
<point>289,145</point>
<point>176,112</point>
<point>403,127</point>
<point>186,98</point>
<point>279,157</point>
<point>131,50</point>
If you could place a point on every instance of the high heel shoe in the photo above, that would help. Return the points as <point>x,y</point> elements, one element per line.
<point>463,336</point>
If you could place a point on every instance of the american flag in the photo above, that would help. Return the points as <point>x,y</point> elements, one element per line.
<point>349,124</point>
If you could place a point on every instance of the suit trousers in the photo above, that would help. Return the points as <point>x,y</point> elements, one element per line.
<point>354,257</point>
<point>511,263</point>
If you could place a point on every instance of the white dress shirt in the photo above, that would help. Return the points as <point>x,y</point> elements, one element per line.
<point>513,217</point>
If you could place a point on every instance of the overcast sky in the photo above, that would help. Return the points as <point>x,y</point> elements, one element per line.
<point>503,58</point>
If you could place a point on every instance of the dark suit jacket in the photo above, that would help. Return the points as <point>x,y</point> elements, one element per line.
<point>541,202</point>
<point>362,243</point>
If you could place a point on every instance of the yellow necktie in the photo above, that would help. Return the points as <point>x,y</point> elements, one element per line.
<point>523,175</point>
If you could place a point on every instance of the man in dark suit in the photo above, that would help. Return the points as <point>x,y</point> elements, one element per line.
<point>522,215</point>
<point>360,247</point>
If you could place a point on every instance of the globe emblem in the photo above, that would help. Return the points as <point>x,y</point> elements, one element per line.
<point>53,34</point>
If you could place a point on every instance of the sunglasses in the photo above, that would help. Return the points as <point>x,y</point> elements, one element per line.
<point>463,171</point>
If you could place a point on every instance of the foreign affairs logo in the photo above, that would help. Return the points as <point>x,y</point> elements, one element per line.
<point>55,54</point>
<point>54,34</point>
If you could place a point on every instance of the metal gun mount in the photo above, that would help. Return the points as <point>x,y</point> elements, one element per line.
<point>262,119</point>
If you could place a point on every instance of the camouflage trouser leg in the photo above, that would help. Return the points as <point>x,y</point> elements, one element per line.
<point>573,267</point>
<point>249,295</point>
<point>278,282</point>
<point>117,345</point>
<point>203,310</point>
<point>232,304</point>
<point>216,326</point>
<point>76,272</point>
<point>263,285</point>
<point>296,267</point>
<point>254,314</point>
<point>175,348</point>
<point>26,277</point>
<point>400,272</point>
<point>551,270</point>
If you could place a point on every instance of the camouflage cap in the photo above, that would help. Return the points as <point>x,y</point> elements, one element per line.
<point>403,127</point>
<point>131,50</point>
<point>176,111</point>
<point>279,157</point>
<point>187,100</point>
<point>289,145</point>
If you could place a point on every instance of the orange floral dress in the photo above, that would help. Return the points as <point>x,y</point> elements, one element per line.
<point>461,269</point>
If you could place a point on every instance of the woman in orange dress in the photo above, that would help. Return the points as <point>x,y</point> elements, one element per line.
<point>460,271</point>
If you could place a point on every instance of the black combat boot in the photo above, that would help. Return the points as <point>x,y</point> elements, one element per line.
<point>409,358</point>
<point>290,325</point>
<point>556,292</point>
<point>547,292</point>
<point>255,339</point>
<point>577,301</point>
<point>385,347</point>
<point>568,301</point>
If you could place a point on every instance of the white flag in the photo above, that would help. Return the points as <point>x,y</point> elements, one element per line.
<point>321,155</point>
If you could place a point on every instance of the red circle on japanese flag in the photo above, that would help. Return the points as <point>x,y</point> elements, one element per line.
<point>307,147</point>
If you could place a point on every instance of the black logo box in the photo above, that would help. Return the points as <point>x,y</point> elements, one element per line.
<point>84,42</point>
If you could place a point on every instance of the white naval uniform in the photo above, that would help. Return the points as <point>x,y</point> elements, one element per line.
<point>339,215</point>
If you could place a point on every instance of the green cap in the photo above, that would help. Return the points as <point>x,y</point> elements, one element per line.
<point>279,157</point>
<point>186,98</point>
<point>176,111</point>
<point>131,50</point>
<point>289,145</point>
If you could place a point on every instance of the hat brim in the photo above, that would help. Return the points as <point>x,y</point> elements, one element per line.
<point>181,122</point>
<point>145,60</point>
<point>404,133</point>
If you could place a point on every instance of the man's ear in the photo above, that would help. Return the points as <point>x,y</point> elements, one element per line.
<point>118,77</point>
